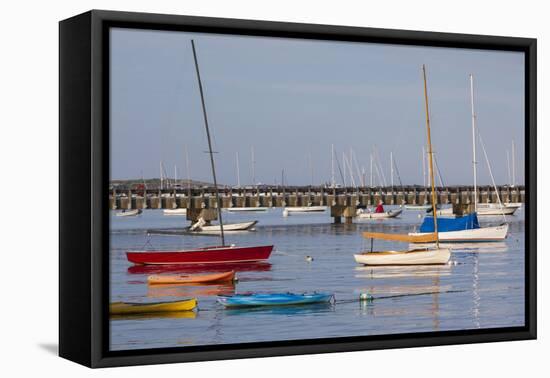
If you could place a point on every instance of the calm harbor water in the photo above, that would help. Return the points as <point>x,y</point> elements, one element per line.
<point>482,287</point>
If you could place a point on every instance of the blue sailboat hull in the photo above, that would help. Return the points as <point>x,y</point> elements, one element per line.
<point>276,299</point>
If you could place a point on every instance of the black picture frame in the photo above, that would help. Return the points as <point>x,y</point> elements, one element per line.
<point>84,176</point>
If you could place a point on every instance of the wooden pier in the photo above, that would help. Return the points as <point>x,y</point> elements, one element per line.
<point>343,202</point>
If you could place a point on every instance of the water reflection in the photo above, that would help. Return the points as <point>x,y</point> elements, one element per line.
<point>386,272</point>
<point>476,300</point>
<point>156,315</point>
<point>381,286</point>
<point>199,268</point>
<point>311,309</point>
<point>188,290</point>
<point>487,247</point>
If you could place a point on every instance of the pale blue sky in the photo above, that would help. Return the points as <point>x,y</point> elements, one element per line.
<point>290,99</point>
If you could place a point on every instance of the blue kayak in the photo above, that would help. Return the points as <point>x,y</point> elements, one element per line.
<point>275,299</point>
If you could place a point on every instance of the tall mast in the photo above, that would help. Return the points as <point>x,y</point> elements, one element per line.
<point>513,163</point>
<point>357,168</point>
<point>238,170</point>
<point>508,162</point>
<point>378,166</point>
<point>430,156</point>
<point>424,167</point>
<point>474,162</point>
<point>391,169</point>
<point>350,164</point>
<point>371,172</point>
<point>161,178</point>
<point>438,173</point>
<point>175,174</point>
<point>253,166</point>
<point>311,167</point>
<point>210,152</point>
<point>188,175</point>
<point>344,164</point>
<point>283,185</point>
<point>332,165</point>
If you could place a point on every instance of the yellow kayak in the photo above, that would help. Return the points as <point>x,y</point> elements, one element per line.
<point>124,308</point>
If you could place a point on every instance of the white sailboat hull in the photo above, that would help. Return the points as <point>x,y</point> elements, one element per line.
<point>514,204</point>
<point>245,226</point>
<point>246,209</point>
<point>414,257</point>
<point>306,209</point>
<point>496,211</point>
<point>175,212</point>
<point>128,213</point>
<point>484,234</point>
<point>485,211</point>
<point>418,207</point>
<point>386,214</point>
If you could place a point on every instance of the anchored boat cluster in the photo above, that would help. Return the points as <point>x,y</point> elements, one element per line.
<point>439,226</point>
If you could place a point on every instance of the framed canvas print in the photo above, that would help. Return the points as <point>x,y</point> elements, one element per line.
<point>233,188</point>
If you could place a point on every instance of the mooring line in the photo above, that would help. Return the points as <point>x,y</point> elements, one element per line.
<point>365,297</point>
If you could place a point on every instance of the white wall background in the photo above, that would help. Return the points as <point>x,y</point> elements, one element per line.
<point>29,161</point>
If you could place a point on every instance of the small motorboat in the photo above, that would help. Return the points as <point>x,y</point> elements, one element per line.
<point>129,308</point>
<point>206,255</point>
<point>275,299</point>
<point>191,279</point>
<point>176,212</point>
<point>386,214</point>
<point>129,213</point>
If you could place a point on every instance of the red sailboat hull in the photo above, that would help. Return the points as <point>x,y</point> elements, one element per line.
<point>208,255</point>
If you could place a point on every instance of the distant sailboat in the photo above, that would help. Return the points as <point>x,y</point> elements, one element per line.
<point>306,209</point>
<point>420,256</point>
<point>128,213</point>
<point>310,208</point>
<point>426,205</point>
<point>176,211</point>
<point>488,209</point>
<point>202,227</point>
<point>418,207</point>
<point>180,212</point>
<point>244,209</point>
